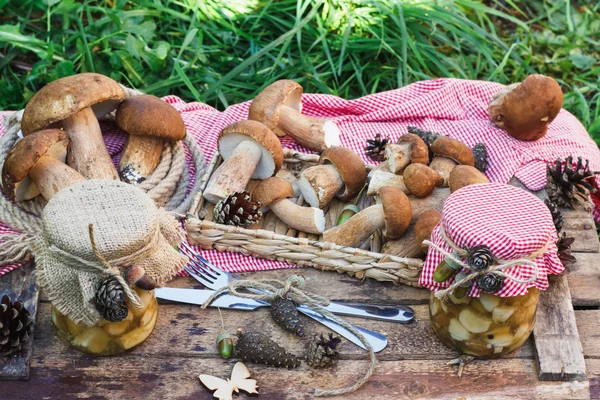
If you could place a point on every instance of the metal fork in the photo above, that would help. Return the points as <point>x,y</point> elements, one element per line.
<point>215,278</point>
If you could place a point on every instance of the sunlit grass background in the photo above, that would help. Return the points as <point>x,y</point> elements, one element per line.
<point>224,51</point>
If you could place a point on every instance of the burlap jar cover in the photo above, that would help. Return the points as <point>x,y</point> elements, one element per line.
<point>515,226</point>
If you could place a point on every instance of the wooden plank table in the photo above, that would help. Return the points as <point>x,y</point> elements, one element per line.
<point>413,366</point>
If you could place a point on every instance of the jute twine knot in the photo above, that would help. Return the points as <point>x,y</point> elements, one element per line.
<point>294,289</point>
<point>497,268</point>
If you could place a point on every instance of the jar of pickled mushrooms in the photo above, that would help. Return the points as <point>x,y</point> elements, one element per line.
<point>488,260</point>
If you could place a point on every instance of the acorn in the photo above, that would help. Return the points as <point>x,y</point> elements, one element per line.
<point>446,270</point>
<point>137,276</point>
<point>225,344</point>
<point>462,290</point>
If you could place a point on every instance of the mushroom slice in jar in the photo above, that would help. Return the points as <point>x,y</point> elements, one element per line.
<point>474,322</point>
<point>150,121</point>
<point>457,331</point>
<point>75,102</point>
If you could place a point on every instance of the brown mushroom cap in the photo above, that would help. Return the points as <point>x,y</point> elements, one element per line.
<point>465,175</point>
<point>27,152</point>
<point>147,115</point>
<point>453,149</point>
<point>351,168</point>
<point>265,107</point>
<point>272,154</point>
<point>272,189</point>
<point>424,226</point>
<point>67,96</point>
<point>419,152</point>
<point>397,211</point>
<point>525,110</point>
<point>421,180</point>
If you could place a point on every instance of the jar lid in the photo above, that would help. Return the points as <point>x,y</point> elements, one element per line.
<point>511,223</point>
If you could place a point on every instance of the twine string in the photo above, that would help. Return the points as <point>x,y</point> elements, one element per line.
<point>294,289</point>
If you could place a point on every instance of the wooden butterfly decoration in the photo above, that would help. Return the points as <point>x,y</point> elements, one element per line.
<point>225,388</point>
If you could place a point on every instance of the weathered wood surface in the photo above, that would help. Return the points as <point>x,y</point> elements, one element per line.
<point>20,285</point>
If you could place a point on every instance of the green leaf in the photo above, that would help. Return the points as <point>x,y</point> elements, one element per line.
<point>132,46</point>
<point>582,61</point>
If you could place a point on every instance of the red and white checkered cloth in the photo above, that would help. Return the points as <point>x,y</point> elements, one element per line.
<point>511,222</point>
<point>457,108</point>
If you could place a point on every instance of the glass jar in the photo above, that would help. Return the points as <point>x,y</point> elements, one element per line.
<point>109,338</point>
<point>485,326</point>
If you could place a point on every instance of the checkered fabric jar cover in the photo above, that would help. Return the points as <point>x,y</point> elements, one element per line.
<point>511,222</point>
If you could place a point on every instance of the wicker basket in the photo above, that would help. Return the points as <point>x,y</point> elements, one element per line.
<point>272,239</point>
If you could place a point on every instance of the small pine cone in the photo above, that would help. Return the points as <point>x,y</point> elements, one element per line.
<point>115,314</point>
<point>285,314</point>
<point>490,283</point>
<point>258,348</point>
<point>564,250</point>
<point>557,216</point>
<point>481,157</point>
<point>375,148</point>
<point>427,136</point>
<point>480,257</point>
<point>111,300</point>
<point>322,351</point>
<point>237,209</point>
<point>570,186</point>
<point>16,326</point>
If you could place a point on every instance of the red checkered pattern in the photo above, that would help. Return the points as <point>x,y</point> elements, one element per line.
<point>511,222</point>
<point>457,108</point>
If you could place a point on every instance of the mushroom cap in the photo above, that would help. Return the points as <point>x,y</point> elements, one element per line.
<point>351,168</point>
<point>424,226</point>
<point>271,153</point>
<point>420,180</point>
<point>265,107</point>
<point>525,110</point>
<point>453,149</point>
<point>397,211</point>
<point>66,96</point>
<point>419,152</point>
<point>465,175</point>
<point>272,189</point>
<point>147,115</point>
<point>27,152</point>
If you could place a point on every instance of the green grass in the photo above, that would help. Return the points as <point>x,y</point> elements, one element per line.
<point>223,52</point>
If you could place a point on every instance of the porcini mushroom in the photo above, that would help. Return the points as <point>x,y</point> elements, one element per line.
<point>411,243</point>
<point>340,173</point>
<point>424,226</point>
<point>420,180</point>
<point>464,175</point>
<point>524,110</point>
<point>409,149</point>
<point>149,121</point>
<point>274,192</point>
<point>36,164</point>
<point>279,107</point>
<point>393,215</point>
<point>449,153</point>
<point>379,179</point>
<point>250,151</point>
<point>74,102</point>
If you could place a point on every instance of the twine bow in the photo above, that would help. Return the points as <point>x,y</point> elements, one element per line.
<point>498,268</point>
<point>293,288</point>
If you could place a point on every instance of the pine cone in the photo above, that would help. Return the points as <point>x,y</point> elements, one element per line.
<point>481,157</point>
<point>490,283</point>
<point>111,300</point>
<point>285,314</point>
<point>237,209</point>
<point>427,136</point>
<point>15,326</point>
<point>322,352</point>
<point>569,187</point>
<point>557,216</point>
<point>564,250</point>
<point>375,148</point>
<point>480,257</point>
<point>258,348</point>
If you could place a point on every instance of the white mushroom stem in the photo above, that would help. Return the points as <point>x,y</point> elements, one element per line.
<point>357,229</point>
<point>315,134</point>
<point>89,155</point>
<point>140,158</point>
<point>319,184</point>
<point>405,246</point>
<point>51,176</point>
<point>235,172</point>
<point>443,166</point>
<point>304,219</point>
<point>398,157</point>
<point>379,167</point>
<point>381,178</point>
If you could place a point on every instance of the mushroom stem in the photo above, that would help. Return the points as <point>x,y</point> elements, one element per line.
<point>398,157</point>
<point>140,158</point>
<point>319,184</point>
<point>443,166</point>
<point>51,176</point>
<point>235,172</point>
<point>433,202</point>
<point>304,219</point>
<point>89,155</point>
<point>381,178</point>
<point>357,229</point>
<point>406,246</point>
<point>313,133</point>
